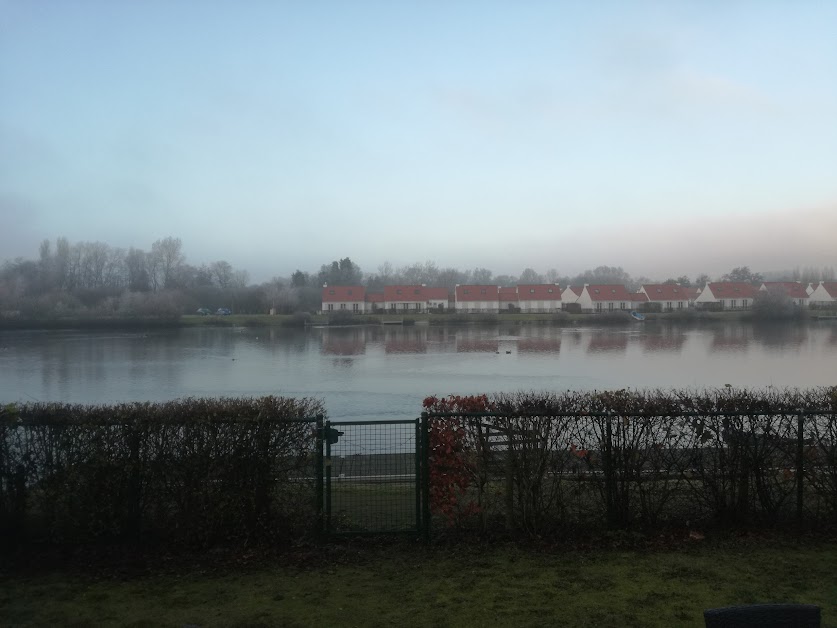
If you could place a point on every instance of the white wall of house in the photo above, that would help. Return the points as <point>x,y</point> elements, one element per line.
<point>477,306</point>
<point>355,307</point>
<point>539,306</point>
<point>404,306</point>
<point>665,304</point>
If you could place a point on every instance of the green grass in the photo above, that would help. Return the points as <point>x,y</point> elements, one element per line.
<point>405,585</point>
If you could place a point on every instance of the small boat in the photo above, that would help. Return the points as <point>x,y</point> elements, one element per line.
<point>638,316</point>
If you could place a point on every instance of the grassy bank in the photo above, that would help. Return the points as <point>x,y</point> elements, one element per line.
<point>414,586</point>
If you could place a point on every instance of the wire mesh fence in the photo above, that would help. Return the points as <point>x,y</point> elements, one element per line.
<point>372,477</point>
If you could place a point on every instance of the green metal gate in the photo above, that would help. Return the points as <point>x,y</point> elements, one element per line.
<point>372,477</point>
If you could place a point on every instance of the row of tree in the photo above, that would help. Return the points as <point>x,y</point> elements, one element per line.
<point>95,279</point>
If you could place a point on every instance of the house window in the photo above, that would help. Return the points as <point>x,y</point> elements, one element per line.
<point>331,291</point>
<point>330,307</point>
<point>680,305</point>
<point>598,307</point>
<point>342,306</point>
<point>668,305</point>
<point>610,306</point>
<point>355,307</point>
<point>398,292</point>
<point>405,306</point>
<point>416,291</point>
<point>722,303</point>
<point>622,306</point>
<point>549,290</point>
<point>532,291</point>
<point>732,303</point>
<point>482,291</point>
<point>466,291</point>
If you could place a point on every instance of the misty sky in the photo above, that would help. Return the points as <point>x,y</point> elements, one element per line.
<point>665,137</point>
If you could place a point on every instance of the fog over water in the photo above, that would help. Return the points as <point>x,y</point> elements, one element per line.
<point>385,372</point>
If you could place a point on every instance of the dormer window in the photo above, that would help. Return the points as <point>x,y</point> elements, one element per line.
<point>466,291</point>
<point>532,291</point>
<point>482,291</point>
<point>331,292</point>
<point>349,293</point>
<point>549,290</point>
<point>416,291</point>
<point>398,292</point>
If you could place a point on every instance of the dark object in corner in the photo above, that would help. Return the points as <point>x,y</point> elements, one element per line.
<point>764,616</point>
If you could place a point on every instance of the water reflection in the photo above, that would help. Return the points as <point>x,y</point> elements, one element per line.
<point>386,370</point>
<point>669,339</point>
<point>344,341</point>
<point>731,338</point>
<point>608,342</point>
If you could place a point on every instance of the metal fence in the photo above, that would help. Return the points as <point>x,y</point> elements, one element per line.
<point>539,472</point>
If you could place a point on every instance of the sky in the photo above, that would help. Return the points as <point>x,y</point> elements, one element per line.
<point>663,137</point>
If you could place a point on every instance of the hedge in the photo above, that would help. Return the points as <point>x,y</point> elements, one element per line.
<point>194,471</point>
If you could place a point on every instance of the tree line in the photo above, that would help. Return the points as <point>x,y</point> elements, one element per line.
<point>96,279</point>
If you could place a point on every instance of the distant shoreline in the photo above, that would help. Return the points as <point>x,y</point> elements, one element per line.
<point>294,320</point>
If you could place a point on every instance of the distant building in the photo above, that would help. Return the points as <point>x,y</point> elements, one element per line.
<point>539,297</point>
<point>605,298</point>
<point>477,298</point>
<point>344,298</point>
<point>824,294</point>
<point>570,295</point>
<point>794,290</point>
<point>508,298</point>
<point>669,296</point>
<point>727,295</point>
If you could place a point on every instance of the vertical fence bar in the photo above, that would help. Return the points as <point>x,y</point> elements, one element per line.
<point>319,462</point>
<point>418,450</point>
<point>800,463</point>
<point>425,475</point>
<point>608,470</point>
<point>328,476</point>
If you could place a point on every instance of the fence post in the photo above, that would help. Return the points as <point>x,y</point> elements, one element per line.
<point>800,463</point>
<point>425,476</point>
<point>319,463</point>
<point>608,469</point>
<point>509,478</point>
<point>328,476</point>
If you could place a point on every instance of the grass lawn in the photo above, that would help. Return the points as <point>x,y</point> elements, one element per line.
<point>406,585</point>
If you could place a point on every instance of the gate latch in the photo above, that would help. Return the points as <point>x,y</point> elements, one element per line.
<point>332,435</point>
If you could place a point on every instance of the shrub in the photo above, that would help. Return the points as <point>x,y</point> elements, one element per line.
<point>196,471</point>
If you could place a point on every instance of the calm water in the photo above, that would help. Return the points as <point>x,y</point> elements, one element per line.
<point>378,372</point>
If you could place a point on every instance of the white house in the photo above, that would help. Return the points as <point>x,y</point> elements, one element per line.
<point>824,294</point>
<point>539,297</point>
<point>476,298</point>
<point>404,298</point>
<point>570,295</point>
<point>669,296</point>
<point>727,295</point>
<point>344,298</point>
<point>605,298</point>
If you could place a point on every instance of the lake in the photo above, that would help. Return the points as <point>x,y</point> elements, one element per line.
<point>385,371</point>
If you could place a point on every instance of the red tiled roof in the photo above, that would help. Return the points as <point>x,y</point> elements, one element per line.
<point>665,292</point>
<point>608,293</point>
<point>508,294</point>
<point>539,292</point>
<point>793,289</point>
<point>437,294</point>
<point>577,289</point>
<point>477,293</point>
<point>639,297</point>
<point>404,293</point>
<point>692,292</point>
<point>732,290</point>
<point>374,297</point>
<point>348,294</point>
